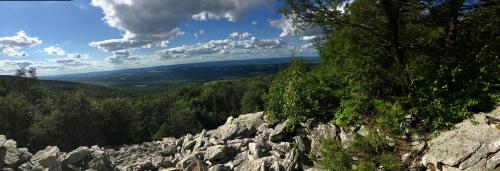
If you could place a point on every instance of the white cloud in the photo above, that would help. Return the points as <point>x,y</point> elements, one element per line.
<point>132,41</point>
<point>71,62</point>
<point>75,55</point>
<point>15,63</point>
<point>255,22</point>
<point>236,44</point>
<point>12,45</point>
<point>149,23</point>
<point>308,38</point>
<point>236,35</point>
<point>122,57</point>
<point>54,50</point>
<point>289,28</point>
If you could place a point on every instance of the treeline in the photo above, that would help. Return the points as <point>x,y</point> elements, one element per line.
<point>399,67</point>
<point>36,115</point>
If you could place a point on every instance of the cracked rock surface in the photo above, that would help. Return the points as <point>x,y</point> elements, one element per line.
<point>472,145</point>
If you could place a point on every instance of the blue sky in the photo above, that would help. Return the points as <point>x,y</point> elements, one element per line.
<point>95,35</point>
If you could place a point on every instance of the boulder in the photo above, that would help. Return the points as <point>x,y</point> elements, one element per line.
<point>100,163</point>
<point>291,161</point>
<point>319,133</point>
<point>12,154</point>
<point>219,167</point>
<point>186,161</point>
<point>168,149</point>
<point>468,146</point>
<point>261,164</point>
<point>76,155</point>
<point>216,152</point>
<point>255,150</point>
<point>47,158</point>
<point>280,131</point>
<point>197,165</point>
<point>302,144</point>
<point>244,126</point>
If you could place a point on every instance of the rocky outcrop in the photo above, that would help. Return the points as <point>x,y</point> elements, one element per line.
<point>242,143</point>
<point>473,144</point>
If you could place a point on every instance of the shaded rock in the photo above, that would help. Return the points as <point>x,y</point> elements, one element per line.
<point>261,164</point>
<point>219,167</point>
<point>255,150</point>
<point>291,160</point>
<point>216,152</point>
<point>280,131</point>
<point>197,165</point>
<point>301,143</point>
<point>168,150</point>
<point>186,161</point>
<point>76,155</point>
<point>276,167</point>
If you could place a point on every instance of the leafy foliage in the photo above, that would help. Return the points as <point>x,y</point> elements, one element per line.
<point>295,94</point>
<point>397,66</point>
<point>70,114</point>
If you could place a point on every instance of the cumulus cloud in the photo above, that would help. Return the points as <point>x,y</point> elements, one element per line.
<point>308,38</point>
<point>15,63</point>
<point>288,28</point>
<point>236,35</point>
<point>149,23</point>
<point>13,45</point>
<point>236,43</point>
<point>72,62</point>
<point>54,50</point>
<point>74,55</point>
<point>122,57</point>
<point>255,22</point>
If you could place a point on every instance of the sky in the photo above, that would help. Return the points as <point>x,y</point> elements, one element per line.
<point>62,37</point>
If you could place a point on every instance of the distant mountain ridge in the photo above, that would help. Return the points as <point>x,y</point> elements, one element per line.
<point>197,72</point>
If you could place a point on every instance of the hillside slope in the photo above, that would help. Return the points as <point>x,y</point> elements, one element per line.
<point>250,143</point>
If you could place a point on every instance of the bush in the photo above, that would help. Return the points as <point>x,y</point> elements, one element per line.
<point>296,94</point>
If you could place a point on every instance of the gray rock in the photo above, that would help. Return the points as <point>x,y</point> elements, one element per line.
<point>219,167</point>
<point>276,167</point>
<point>466,147</point>
<point>279,132</point>
<point>12,154</point>
<point>344,137</point>
<point>197,165</point>
<point>255,150</point>
<point>493,161</point>
<point>260,164</point>
<point>100,163</point>
<point>319,133</point>
<point>47,158</point>
<point>244,126</point>
<point>188,145</point>
<point>200,142</point>
<point>216,152</point>
<point>301,143</point>
<point>363,131</point>
<point>3,138</point>
<point>168,150</point>
<point>76,155</point>
<point>291,160</point>
<point>186,161</point>
<point>169,140</point>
